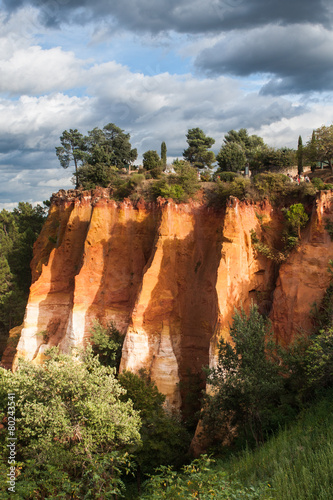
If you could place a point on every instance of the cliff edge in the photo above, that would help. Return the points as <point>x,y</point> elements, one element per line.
<point>169,276</point>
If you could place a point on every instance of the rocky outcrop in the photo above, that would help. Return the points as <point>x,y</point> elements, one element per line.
<point>304,277</point>
<point>169,276</point>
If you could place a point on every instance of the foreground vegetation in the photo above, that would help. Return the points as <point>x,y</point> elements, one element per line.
<point>18,232</point>
<point>293,464</point>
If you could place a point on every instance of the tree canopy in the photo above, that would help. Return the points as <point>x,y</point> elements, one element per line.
<point>247,382</point>
<point>321,145</point>
<point>198,153</point>
<point>74,428</point>
<point>96,156</point>
<point>18,232</point>
<point>72,149</point>
<point>241,149</point>
<point>110,146</point>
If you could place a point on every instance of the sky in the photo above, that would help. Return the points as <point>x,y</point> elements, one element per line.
<point>155,68</point>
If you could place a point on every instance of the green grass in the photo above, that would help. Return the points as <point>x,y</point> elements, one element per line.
<point>297,463</point>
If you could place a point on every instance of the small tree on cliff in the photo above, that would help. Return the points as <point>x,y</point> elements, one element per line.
<point>324,145</point>
<point>71,150</point>
<point>164,154</point>
<point>296,218</point>
<point>197,152</point>
<point>247,382</point>
<point>300,155</point>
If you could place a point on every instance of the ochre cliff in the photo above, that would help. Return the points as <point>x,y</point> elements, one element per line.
<point>169,276</point>
<point>304,277</point>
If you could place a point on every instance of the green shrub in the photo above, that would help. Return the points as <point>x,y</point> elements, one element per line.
<point>317,182</point>
<point>225,176</point>
<point>200,479</point>
<point>239,187</point>
<point>165,441</point>
<point>265,250</point>
<point>73,431</point>
<point>272,185</point>
<point>179,186</point>
<point>248,382</point>
<point>175,191</point>
<point>205,176</point>
<point>107,343</point>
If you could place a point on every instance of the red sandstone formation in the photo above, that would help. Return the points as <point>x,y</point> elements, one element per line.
<point>168,275</point>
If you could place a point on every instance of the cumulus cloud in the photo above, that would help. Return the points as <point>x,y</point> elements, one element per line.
<point>33,122</point>
<point>298,58</point>
<point>35,71</point>
<point>185,16</point>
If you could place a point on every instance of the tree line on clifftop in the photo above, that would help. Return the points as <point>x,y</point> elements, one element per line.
<point>102,154</point>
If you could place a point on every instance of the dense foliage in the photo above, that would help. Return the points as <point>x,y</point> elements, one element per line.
<point>97,156</point>
<point>320,146</point>
<point>74,430</point>
<point>247,383</point>
<point>179,186</point>
<point>198,153</point>
<point>107,343</point>
<point>152,163</point>
<point>18,232</point>
<point>165,441</point>
<point>201,480</point>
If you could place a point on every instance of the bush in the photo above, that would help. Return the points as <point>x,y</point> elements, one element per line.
<point>205,176</point>
<point>200,479</point>
<point>239,187</point>
<point>74,430</point>
<point>99,174</point>
<point>179,186</point>
<point>225,176</point>
<point>272,185</point>
<point>107,343</point>
<point>164,440</point>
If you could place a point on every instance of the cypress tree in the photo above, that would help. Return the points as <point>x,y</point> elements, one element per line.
<point>164,154</point>
<point>300,155</point>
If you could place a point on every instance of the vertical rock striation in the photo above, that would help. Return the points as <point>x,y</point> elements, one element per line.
<point>169,276</point>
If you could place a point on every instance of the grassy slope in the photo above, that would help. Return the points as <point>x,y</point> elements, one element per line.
<point>298,462</point>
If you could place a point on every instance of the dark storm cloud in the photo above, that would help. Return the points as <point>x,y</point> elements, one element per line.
<point>298,58</point>
<point>184,16</point>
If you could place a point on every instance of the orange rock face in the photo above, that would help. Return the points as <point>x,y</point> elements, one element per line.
<point>168,275</point>
<point>304,277</point>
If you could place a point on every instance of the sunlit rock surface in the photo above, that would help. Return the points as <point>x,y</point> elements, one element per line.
<point>169,276</point>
